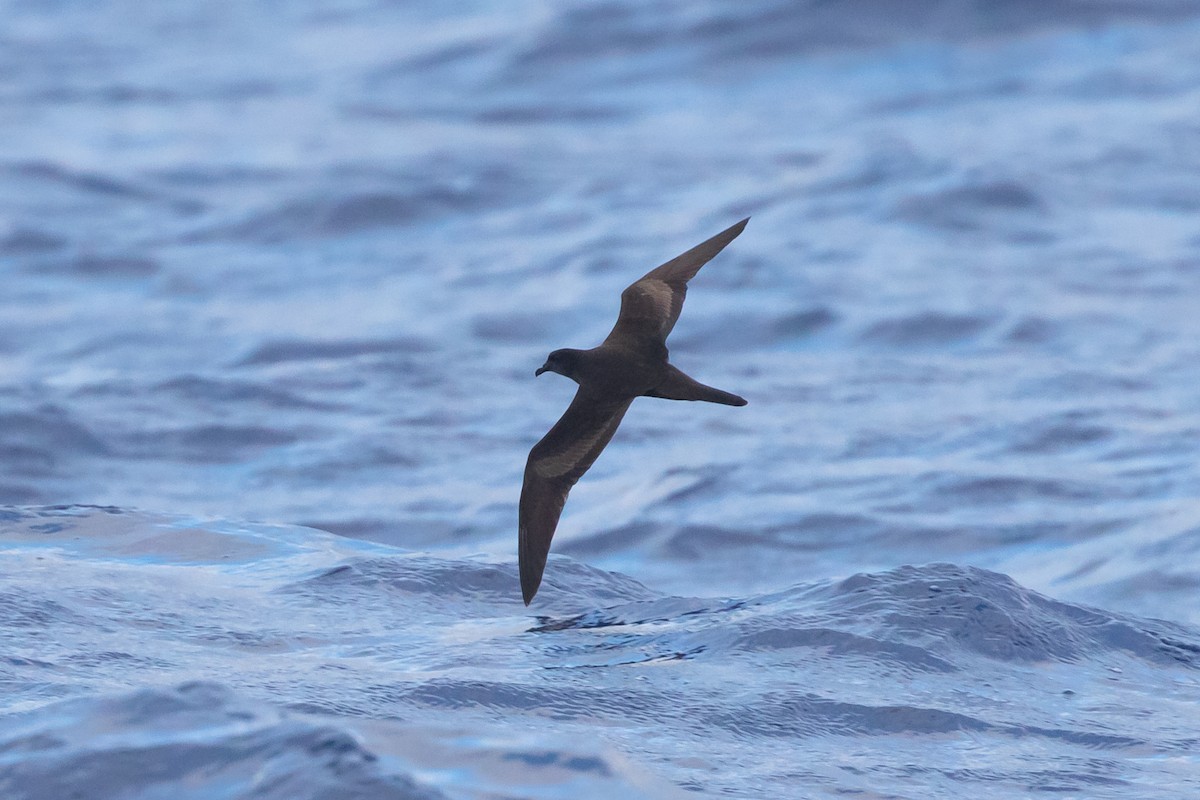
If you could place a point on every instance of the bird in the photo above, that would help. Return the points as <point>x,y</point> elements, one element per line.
<point>631,362</point>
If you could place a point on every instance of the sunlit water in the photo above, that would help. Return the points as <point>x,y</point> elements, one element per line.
<point>297,263</point>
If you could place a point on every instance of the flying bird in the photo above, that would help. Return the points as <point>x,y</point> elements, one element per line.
<point>630,363</point>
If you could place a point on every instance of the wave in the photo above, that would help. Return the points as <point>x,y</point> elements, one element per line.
<point>118,612</point>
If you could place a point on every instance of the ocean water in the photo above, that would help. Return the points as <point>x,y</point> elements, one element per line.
<point>274,279</point>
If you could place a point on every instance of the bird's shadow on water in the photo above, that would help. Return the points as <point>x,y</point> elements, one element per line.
<point>624,635</point>
<point>666,610</point>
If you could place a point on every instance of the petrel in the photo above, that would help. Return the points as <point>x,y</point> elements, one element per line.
<point>630,363</point>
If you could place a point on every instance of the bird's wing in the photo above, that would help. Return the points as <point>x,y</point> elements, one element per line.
<point>555,464</point>
<point>651,305</point>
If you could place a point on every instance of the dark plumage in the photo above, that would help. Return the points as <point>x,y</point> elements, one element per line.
<point>630,363</point>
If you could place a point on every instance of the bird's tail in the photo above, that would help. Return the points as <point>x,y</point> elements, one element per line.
<point>679,386</point>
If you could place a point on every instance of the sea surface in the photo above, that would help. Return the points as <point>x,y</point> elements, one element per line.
<point>275,278</point>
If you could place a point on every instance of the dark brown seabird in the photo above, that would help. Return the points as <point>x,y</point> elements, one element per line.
<point>630,363</point>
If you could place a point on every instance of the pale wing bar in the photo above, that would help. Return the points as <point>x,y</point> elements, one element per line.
<point>651,305</point>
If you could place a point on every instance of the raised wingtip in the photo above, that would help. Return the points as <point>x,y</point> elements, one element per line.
<point>734,230</point>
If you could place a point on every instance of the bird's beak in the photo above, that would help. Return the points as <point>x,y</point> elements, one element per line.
<point>540,370</point>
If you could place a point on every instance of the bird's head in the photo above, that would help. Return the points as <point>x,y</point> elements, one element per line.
<point>564,362</point>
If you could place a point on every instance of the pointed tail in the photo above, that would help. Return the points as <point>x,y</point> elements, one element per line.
<point>679,386</point>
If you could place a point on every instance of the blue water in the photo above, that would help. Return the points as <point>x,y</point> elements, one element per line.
<point>274,279</point>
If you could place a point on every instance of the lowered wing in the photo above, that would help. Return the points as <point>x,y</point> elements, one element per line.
<point>555,464</point>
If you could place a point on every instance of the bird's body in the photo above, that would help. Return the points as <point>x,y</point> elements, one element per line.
<point>631,362</point>
<point>617,370</point>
